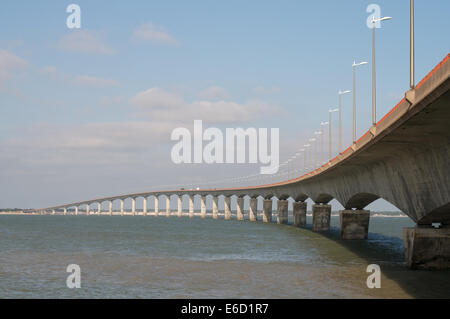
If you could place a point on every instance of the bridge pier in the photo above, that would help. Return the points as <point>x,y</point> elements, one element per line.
<point>76,210</point>
<point>321,214</point>
<point>191,207</point>
<point>203,207</point>
<point>110,208</point>
<point>354,224</point>
<point>180,206</point>
<point>227,208</point>
<point>282,211</point>
<point>253,209</point>
<point>215,207</point>
<point>65,210</point>
<point>99,209</point>
<point>427,247</point>
<point>144,206</point>
<point>240,208</point>
<point>156,206</point>
<point>267,211</point>
<point>121,208</point>
<point>167,206</point>
<point>133,206</point>
<point>88,207</point>
<point>299,212</point>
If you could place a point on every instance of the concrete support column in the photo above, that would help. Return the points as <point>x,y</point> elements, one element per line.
<point>180,206</point>
<point>88,208</point>
<point>167,206</point>
<point>282,211</point>
<point>144,206</point>
<point>99,208</point>
<point>227,208</point>
<point>133,206</point>
<point>203,207</point>
<point>65,210</point>
<point>110,207</point>
<point>121,208</point>
<point>240,208</point>
<point>321,214</point>
<point>53,212</point>
<point>191,206</point>
<point>354,224</point>
<point>299,213</point>
<point>215,207</point>
<point>427,247</point>
<point>76,210</point>
<point>253,209</point>
<point>267,211</point>
<point>156,206</point>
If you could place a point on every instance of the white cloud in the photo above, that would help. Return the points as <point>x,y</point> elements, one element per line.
<point>9,64</point>
<point>84,41</point>
<point>96,82</point>
<point>264,90</point>
<point>214,92</point>
<point>158,104</point>
<point>149,32</point>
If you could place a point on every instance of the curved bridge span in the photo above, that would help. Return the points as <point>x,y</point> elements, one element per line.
<point>404,159</point>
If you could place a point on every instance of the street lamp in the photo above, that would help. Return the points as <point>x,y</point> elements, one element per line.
<point>323,133</point>
<point>315,152</point>
<point>354,97</point>
<point>302,150</point>
<point>330,136</point>
<point>340,117</point>
<point>306,158</point>
<point>374,100</point>
<point>315,158</point>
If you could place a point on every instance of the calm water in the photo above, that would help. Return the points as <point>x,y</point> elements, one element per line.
<point>159,257</point>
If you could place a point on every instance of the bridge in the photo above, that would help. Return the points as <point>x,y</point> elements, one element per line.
<point>404,159</point>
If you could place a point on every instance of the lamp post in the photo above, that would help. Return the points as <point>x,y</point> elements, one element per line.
<point>323,133</point>
<point>302,150</point>
<point>321,137</point>
<point>329,128</point>
<point>305,168</point>
<point>340,93</point>
<point>354,97</point>
<point>315,149</point>
<point>374,99</point>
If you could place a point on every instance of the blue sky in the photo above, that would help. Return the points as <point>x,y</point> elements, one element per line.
<point>67,115</point>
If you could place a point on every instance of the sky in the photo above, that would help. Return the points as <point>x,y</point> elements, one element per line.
<point>87,113</point>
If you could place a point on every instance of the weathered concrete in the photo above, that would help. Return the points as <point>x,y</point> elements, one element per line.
<point>227,212</point>
<point>267,211</point>
<point>427,248</point>
<point>240,208</point>
<point>354,224</point>
<point>168,206</point>
<point>121,207</point>
<point>299,212</point>
<point>321,214</point>
<point>156,206</point>
<point>215,207</point>
<point>180,206</point>
<point>253,209</point>
<point>282,211</point>
<point>203,207</point>
<point>191,206</point>
<point>144,206</point>
<point>110,208</point>
<point>88,210</point>
<point>133,206</point>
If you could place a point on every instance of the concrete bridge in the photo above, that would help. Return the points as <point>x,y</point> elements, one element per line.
<point>404,159</point>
